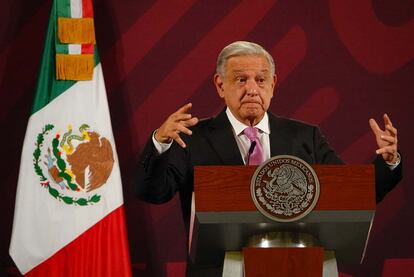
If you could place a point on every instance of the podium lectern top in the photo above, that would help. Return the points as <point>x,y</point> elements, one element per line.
<point>225,215</point>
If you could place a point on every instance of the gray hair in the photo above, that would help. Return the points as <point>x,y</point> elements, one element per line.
<point>242,48</point>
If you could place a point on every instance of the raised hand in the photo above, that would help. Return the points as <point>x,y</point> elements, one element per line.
<point>386,139</point>
<point>175,124</point>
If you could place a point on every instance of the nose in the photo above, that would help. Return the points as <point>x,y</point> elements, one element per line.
<point>252,93</point>
<point>252,89</point>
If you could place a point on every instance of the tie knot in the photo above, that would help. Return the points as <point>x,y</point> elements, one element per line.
<point>251,133</point>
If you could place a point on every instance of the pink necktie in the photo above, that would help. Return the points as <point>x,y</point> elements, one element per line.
<point>256,157</point>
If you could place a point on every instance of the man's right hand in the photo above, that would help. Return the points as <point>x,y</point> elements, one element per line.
<point>175,124</point>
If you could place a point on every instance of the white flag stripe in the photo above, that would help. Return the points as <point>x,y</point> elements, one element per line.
<point>76,8</point>
<point>53,223</point>
<point>75,49</point>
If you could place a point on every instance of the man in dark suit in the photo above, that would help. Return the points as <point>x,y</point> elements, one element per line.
<point>245,78</point>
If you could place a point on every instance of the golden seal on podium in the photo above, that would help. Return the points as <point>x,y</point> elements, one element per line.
<point>285,188</point>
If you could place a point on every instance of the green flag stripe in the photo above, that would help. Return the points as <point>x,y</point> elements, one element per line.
<point>63,8</point>
<point>62,48</point>
<point>48,88</point>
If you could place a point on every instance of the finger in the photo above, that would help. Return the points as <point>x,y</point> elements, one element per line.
<point>190,122</point>
<point>181,129</point>
<point>386,150</point>
<point>180,116</point>
<point>374,126</point>
<point>391,129</point>
<point>389,139</point>
<point>180,142</point>
<point>185,108</point>
<point>387,120</point>
<point>182,125</point>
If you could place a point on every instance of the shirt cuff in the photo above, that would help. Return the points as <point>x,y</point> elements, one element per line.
<point>159,146</point>
<point>392,166</point>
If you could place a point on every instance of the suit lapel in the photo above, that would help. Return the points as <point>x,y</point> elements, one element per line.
<point>222,140</point>
<point>279,142</point>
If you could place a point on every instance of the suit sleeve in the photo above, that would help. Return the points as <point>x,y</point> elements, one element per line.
<point>324,153</point>
<point>159,177</point>
<point>385,178</point>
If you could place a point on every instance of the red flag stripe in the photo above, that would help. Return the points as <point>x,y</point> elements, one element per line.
<point>103,242</point>
<point>87,48</point>
<point>87,10</point>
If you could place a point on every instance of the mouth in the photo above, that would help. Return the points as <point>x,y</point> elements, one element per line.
<point>251,100</point>
<point>251,103</point>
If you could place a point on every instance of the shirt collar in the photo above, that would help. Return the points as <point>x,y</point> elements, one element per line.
<point>239,127</point>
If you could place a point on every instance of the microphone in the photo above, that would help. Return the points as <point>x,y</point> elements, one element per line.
<point>251,149</point>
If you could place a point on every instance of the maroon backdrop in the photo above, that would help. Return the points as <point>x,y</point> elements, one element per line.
<point>339,63</point>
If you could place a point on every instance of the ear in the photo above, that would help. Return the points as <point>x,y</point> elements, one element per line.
<point>218,82</point>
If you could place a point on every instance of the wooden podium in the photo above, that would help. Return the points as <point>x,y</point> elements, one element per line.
<point>225,216</point>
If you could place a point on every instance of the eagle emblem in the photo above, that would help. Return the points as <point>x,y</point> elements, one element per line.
<point>285,188</point>
<point>73,165</point>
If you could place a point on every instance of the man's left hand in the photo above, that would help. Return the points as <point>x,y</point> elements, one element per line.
<point>386,139</point>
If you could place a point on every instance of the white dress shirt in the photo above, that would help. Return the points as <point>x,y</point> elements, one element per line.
<point>243,142</point>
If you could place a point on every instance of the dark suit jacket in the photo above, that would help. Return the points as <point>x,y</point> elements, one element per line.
<point>159,177</point>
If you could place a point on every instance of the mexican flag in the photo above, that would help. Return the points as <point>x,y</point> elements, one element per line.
<point>69,214</point>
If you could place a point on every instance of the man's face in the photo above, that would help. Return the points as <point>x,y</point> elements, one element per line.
<point>246,87</point>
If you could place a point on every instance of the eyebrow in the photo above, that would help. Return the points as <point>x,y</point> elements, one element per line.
<point>242,71</point>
